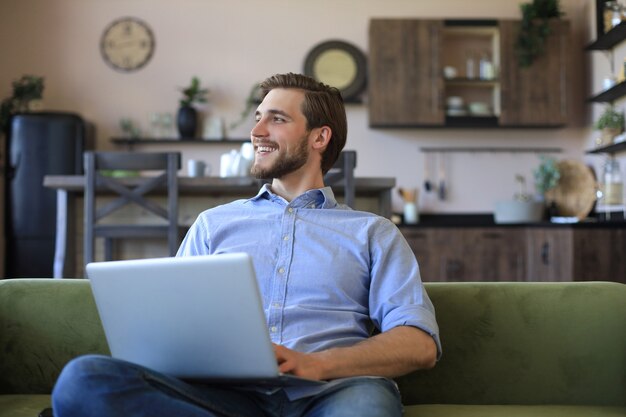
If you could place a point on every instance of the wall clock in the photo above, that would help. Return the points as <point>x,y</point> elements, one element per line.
<point>338,64</point>
<point>127,44</point>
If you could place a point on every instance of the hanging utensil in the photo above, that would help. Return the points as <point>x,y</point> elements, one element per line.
<point>428,185</point>
<point>442,178</point>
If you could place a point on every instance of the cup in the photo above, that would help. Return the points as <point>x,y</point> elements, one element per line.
<point>196,168</point>
<point>411,216</point>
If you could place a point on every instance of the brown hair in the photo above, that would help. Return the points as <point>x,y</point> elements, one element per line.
<point>322,106</point>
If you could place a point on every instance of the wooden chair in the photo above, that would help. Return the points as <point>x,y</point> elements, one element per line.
<point>343,171</point>
<point>138,191</point>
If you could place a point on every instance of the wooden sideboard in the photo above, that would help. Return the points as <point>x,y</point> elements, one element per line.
<point>372,194</point>
<point>542,252</point>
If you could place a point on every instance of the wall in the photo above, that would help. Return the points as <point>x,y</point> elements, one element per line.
<point>231,44</point>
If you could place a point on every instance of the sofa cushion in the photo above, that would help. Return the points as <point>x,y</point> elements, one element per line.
<point>445,410</point>
<point>23,405</point>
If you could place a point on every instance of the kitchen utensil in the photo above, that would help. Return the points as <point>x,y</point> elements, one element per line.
<point>428,185</point>
<point>442,178</point>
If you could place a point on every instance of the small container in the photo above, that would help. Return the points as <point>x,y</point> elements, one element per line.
<point>470,67</point>
<point>611,189</point>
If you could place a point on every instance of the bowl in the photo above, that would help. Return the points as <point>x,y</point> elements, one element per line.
<point>449,72</point>
<point>513,211</point>
<point>454,102</point>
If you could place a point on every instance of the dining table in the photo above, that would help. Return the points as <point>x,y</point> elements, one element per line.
<point>70,189</point>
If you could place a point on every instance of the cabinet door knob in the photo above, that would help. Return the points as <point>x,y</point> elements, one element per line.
<point>545,253</point>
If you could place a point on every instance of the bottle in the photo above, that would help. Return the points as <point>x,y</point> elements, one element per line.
<point>611,202</point>
<point>485,68</point>
<point>470,70</point>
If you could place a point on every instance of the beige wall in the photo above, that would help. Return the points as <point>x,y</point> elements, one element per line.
<point>231,44</point>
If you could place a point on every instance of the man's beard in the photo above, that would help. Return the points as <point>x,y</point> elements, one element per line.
<point>285,163</point>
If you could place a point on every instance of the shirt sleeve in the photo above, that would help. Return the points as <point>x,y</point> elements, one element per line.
<point>397,294</point>
<point>196,241</point>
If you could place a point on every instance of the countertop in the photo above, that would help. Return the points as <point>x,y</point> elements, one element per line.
<point>428,220</point>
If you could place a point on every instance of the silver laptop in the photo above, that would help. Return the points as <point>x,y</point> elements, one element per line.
<point>195,318</point>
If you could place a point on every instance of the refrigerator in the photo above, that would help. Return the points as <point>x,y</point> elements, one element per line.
<point>38,144</point>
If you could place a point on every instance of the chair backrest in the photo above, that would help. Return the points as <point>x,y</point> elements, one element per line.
<point>136,190</point>
<point>343,171</point>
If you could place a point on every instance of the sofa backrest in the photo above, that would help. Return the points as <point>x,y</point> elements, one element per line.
<point>527,344</point>
<point>503,343</point>
<point>43,324</point>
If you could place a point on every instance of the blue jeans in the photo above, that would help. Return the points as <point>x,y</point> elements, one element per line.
<point>100,386</point>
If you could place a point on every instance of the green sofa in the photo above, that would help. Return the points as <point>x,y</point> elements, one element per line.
<point>510,349</point>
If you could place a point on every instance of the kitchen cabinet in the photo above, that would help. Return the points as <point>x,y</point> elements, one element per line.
<point>405,83</point>
<point>407,86</point>
<point>599,255</point>
<point>468,254</point>
<point>519,253</point>
<point>549,254</point>
<point>537,95</point>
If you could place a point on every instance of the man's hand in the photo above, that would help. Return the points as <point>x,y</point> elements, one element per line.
<point>296,363</point>
<point>392,353</point>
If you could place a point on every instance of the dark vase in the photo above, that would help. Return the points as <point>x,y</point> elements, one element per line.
<point>187,122</point>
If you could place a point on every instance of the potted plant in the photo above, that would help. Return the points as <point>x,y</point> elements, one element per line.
<point>546,175</point>
<point>535,28</point>
<point>25,91</point>
<point>610,123</point>
<point>187,117</point>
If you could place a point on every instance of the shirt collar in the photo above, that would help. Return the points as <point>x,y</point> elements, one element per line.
<point>316,198</point>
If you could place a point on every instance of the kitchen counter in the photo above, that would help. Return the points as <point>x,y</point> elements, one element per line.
<point>428,220</point>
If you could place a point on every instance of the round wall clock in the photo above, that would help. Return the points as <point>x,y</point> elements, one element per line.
<point>127,44</point>
<point>338,64</point>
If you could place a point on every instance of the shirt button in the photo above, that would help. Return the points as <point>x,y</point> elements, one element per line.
<point>286,237</point>
<point>276,305</point>
<point>273,329</point>
<point>281,270</point>
<point>290,209</point>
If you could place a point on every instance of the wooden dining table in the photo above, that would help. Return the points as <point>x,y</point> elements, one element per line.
<point>70,188</point>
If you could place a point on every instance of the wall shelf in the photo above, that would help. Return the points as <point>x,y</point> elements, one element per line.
<point>474,149</point>
<point>609,40</point>
<point>610,149</point>
<point>606,42</point>
<point>175,141</point>
<point>610,95</point>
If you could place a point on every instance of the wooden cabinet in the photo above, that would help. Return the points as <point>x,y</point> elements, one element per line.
<point>405,80</point>
<point>537,95</point>
<point>599,255</point>
<point>555,254</point>
<point>468,254</point>
<point>407,87</point>
<point>549,254</point>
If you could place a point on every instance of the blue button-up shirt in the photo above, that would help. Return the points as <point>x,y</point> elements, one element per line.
<point>327,274</point>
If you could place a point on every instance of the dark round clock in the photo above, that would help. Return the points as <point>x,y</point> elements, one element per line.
<point>127,44</point>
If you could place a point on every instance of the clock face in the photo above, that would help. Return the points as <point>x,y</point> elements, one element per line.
<point>127,44</point>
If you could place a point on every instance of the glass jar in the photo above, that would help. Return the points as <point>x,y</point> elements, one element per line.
<point>612,15</point>
<point>611,188</point>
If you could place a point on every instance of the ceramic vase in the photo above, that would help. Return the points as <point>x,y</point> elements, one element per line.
<point>187,122</point>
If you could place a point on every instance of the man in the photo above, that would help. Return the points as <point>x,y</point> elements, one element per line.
<point>328,276</point>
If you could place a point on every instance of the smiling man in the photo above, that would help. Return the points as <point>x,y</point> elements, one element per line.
<point>329,277</point>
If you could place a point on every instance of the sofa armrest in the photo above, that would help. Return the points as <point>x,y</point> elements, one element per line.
<point>44,323</point>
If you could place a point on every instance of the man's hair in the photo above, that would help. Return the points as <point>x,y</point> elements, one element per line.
<point>322,106</point>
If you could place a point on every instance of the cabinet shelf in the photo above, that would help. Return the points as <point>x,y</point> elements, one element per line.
<point>610,149</point>
<point>474,82</point>
<point>609,39</point>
